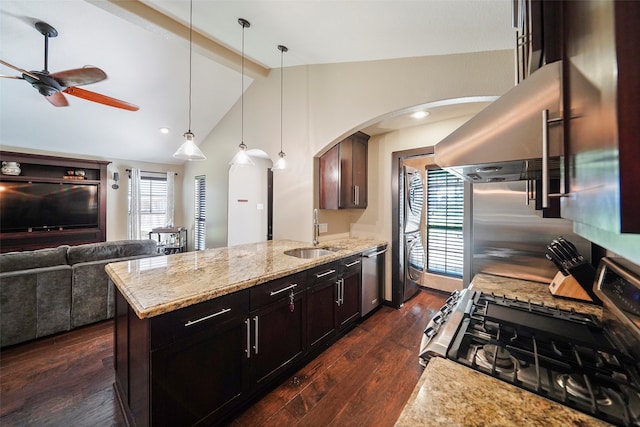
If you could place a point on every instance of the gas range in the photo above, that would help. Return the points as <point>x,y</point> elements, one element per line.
<point>574,359</point>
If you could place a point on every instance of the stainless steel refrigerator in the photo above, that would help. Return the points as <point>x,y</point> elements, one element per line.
<point>509,236</point>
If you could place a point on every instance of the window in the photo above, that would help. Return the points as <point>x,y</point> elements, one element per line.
<point>153,203</point>
<point>199,210</point>
<point>445,212</point>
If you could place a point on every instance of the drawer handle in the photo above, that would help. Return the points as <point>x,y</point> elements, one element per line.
<point>326,273</point>
<point>202,319</point>
<point>351,264</point>
<point>291,286</point>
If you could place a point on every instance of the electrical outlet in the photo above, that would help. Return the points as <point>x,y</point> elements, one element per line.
<point>324,227</point>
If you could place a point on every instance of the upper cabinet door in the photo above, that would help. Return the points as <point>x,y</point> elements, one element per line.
<point>538,35</point>
<point>359,173</point>
<point>343,174</point>
<point>602,146</point>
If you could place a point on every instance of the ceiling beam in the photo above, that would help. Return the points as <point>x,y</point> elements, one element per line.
<point>151,19</point>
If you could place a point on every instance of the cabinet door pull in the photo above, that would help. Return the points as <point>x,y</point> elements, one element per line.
<point>338,291</point>
<point>202,319</point>
<point>351,264</point>
<point>545,159</point>
<point>326,273</point>
<point>255,324</point>
<point>248,349</point>
<point>291,286</point>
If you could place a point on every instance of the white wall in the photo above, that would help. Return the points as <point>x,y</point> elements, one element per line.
<point>247,218</point>
<point>323,104</point>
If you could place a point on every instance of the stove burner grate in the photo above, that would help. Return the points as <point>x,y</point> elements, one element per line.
<point>580,387</point>
<point>492,356</point>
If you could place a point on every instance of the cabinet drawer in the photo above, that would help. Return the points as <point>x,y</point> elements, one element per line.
<point>211,315</point>
<point>323,273</point>
<point>350,264</point>
<point>277,289</point>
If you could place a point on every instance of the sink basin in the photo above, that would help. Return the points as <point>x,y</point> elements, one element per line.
<point>332,248</point>
<point>308,252</point>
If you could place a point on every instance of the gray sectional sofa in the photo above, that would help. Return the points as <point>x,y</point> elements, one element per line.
<point>46,291</point>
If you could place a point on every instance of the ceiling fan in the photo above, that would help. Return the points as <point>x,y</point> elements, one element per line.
<point>53,86</point>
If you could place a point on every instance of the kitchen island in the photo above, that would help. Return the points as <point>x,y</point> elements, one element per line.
<point>200,334</point>
<point>451,394</point>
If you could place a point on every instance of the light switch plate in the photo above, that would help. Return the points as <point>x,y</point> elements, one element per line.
<point>324,227</point>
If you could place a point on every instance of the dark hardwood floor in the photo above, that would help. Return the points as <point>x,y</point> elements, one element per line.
<point>364,379</point>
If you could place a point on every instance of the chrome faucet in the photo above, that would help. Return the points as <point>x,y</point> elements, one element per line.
<point>316,227</point>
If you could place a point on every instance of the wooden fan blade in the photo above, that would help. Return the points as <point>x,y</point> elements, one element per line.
<point>20,70</point>
<point>57,100</point>
<point>79,76</point>
<point>99,98</point>
<point>4,76</point>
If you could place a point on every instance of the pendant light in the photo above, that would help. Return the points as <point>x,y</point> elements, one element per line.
<point>189,150</point>
<point>242,158</point>
<point>281,163</point>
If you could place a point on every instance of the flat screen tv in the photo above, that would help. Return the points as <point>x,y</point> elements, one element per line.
<point>32,206</point>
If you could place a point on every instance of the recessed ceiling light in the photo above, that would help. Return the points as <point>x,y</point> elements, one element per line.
<point>164,130</point>
<point>420,114</point>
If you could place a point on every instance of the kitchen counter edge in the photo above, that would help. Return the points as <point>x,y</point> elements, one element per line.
<point>159,285</point>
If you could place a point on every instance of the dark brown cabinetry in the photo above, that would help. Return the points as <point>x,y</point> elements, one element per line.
<point>538,35</point>
<point>199,364</point>
<point>186,366</point>
<point>277,337</point>
<point>343,174</point>
<point>349,286</point>
<point>602,95</point>
<point>334,299</point>
<point>67,177</point>
<point>322,299</point>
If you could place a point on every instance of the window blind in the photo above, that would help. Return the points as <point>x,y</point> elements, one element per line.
<point>153,203</point>
<point>199,209</point>
<point>445,212</point>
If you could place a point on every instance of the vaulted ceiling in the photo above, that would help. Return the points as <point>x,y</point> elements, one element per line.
<point>143,47</point>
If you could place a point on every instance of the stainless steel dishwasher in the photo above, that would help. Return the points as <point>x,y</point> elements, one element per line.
<point>372,279</point>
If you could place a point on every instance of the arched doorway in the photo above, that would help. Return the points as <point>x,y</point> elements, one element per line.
<point>250,201</point>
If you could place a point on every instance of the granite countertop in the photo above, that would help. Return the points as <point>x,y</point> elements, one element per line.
<point>158,285</point>
<point>450,394</point>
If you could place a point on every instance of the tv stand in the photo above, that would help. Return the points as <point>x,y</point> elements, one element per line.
<point>41,168</point>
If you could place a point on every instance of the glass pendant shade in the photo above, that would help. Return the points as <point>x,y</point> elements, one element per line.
<point>242,158</point>
<point>281,163</point>
<point>189,150</point>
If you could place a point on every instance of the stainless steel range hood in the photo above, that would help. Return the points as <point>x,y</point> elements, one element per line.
<point>503,142</point>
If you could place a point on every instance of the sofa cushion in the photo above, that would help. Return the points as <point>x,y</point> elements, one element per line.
<point>26,260</point>
<point>108,250</point>
<point>34,303</point>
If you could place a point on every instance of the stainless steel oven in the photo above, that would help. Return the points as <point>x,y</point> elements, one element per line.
<point>578,360</point>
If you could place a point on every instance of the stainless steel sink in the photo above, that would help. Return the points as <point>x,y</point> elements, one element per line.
<point>332,248</point>
<point>308,252</point>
